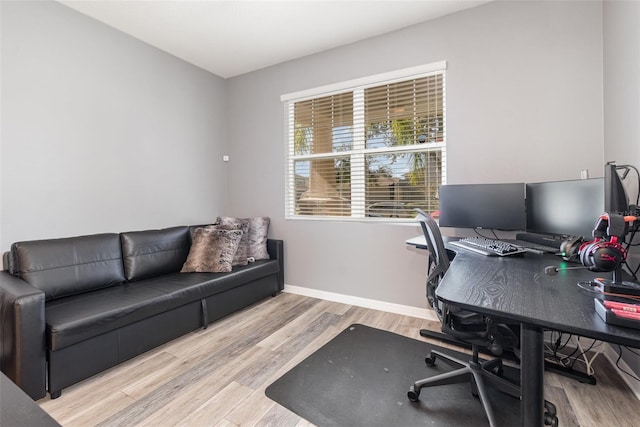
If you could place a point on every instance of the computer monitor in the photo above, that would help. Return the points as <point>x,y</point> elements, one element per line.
<point>615,196</point>
<point>565,208</point>
<point>498,206</point>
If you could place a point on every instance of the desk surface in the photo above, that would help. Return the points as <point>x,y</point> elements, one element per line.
<point>17,409</point>
<point>517,288</point>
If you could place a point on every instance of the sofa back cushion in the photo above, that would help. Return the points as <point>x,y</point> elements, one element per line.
<point>154,252</point>
<point>62,267</point>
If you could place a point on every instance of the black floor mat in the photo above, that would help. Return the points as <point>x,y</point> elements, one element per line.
<point>361,378</point>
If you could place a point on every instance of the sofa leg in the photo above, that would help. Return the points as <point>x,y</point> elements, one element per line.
<point>55,394</point>
<point>205,316</point>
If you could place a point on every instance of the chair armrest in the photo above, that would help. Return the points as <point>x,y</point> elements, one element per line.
<point>276,251</point>
<point>22,335</point>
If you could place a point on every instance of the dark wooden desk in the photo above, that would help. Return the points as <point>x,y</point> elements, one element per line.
<point>517,288</point>
<point>17,409</point>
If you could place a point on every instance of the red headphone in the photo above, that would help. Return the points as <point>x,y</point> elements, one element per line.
<point>601,254</point>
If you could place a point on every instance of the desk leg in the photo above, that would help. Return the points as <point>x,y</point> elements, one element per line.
<point>532,375</point>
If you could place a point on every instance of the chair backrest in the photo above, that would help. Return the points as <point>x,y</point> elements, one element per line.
<point>435,244</point>
<point>439,258</point>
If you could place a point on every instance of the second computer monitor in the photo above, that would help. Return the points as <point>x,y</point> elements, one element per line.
<point>499,206</point>
<point>564,208</point>
<point>615,196</point>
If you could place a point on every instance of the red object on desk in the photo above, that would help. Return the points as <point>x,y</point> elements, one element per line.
<point>632,308</point>
<point>626,314</point>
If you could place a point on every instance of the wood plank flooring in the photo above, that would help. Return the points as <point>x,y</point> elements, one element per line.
<point>217,376</point>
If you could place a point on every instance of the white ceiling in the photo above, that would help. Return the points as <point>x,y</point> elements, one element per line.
<point>230,38</point>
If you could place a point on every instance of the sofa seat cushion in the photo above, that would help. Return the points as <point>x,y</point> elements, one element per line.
<point>188,287</point>
<point>79,317</point>
<point>76,318</point>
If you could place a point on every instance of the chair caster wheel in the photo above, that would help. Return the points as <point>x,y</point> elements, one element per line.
<point>413,395</point>
<point>430,360</point>
<point>550,420</point>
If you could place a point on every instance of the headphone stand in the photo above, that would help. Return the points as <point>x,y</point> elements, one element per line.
<point>617,286</point>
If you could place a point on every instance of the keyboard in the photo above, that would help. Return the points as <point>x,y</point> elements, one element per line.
<point>488,247</point>
<point>533,247</point>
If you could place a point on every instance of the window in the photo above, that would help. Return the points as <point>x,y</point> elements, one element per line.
<point>372,148</point>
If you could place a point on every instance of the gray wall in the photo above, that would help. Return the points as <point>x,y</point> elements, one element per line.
<point>524,103</point>
<point>621,36</point>
<point>101,132</point>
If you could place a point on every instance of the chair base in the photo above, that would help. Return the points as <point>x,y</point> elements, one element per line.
<point>509,355</point>
<point>479,374</point>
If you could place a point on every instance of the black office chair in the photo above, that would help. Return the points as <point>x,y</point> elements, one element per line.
<point>475,329</point>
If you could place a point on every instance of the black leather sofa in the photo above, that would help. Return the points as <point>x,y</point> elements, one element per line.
<point>73,307</point>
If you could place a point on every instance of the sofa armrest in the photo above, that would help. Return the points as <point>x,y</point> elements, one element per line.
<point>276,251</point>
<point>22,335</point>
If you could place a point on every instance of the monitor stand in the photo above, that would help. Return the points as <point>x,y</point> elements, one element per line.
<point>618,286</point>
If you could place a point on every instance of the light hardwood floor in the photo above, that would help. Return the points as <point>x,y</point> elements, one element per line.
<point>217,376</point>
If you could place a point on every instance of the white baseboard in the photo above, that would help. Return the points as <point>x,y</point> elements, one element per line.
<point>405,310</point>
<point>612,355</point>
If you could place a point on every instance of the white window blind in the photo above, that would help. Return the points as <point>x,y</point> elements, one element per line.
<point>375,150</point>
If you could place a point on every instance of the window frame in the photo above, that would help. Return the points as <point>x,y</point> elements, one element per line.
<point>359,150</point>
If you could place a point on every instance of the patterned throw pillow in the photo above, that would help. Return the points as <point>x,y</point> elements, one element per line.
<point>212,251</point>
<point>240,257</point>
<point>258,230</point>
